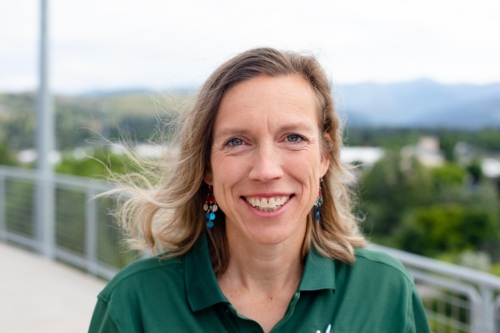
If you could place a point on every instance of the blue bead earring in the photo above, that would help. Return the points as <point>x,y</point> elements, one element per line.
<point>318,203</point>
<point>210,207</point>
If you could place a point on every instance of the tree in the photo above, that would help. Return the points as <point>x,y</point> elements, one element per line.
<point>97,165</point>
<point>6,157</point>
<point>388,190</point>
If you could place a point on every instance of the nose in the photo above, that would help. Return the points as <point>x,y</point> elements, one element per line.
<point>266,164</point>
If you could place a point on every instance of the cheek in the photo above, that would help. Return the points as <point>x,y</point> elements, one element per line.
<point>313,162</point>
<point>225,173</point>
<point>221,168</point>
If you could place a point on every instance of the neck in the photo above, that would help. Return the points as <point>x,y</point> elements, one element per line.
<point>260,280</point>
<point>256,266</point>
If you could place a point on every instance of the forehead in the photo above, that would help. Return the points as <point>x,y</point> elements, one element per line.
<point>290,96</point>
<point>293,87</point>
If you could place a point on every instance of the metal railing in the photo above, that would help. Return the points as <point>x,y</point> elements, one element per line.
<point>84,235</point>
<point>457,299</point>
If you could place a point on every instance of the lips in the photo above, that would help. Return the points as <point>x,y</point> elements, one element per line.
<point>267,204</point>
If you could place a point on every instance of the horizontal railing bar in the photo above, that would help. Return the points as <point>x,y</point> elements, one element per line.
<point>17,173</point>
<point>70,258</point>
<point>101,269</point>
<point>448,284</point>
<point>440,267</point>
<point>59,179</point>
<point>21,240</point>
<point>81,182</point>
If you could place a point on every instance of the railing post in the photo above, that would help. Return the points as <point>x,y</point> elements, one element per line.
<point>3,213</point>
<point>488,306</point>
<point>44,207</point>
<point>477,317</point>
<point>496,311</point>
<point>91,232</point>
<point>45,144</point>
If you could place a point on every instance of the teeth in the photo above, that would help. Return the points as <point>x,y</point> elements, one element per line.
<point>267,204</point>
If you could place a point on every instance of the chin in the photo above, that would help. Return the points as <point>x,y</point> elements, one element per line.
<point>272,236</point>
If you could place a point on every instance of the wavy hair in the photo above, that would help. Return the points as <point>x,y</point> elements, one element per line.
<point>168,216</point>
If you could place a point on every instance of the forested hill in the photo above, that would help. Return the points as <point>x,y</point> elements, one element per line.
<point>88,119</point>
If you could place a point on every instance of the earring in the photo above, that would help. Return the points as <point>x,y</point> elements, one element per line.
<point>319,202</point>
<point>210,207</point>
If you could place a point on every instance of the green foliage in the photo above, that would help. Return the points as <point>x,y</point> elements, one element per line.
<point>6,157</point>
<point>487,139</point>
<point>445,228</point>
<point>17,120</point>
<point>391,138</point>
<point>449,175</point>
<point>97,165</point>
<point>475,172</point>
<point>410,236</point>
<point>430,211</point>
<point>495,269</point>
<point>79,119</point>
<point>139,127</point>
<point>387,191</point>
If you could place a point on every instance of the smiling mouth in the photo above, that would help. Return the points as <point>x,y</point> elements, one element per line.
<point>268,204</point>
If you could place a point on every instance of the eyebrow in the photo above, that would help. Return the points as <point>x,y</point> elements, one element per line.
<point>292,127</point>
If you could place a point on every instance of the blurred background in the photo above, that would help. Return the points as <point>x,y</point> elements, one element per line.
<point>416,82</point>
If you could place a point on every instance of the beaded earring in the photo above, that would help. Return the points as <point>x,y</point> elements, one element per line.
<point>318,203</point>
<point>210,207</point>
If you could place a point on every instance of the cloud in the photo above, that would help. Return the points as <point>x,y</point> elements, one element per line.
<point>161,44</point>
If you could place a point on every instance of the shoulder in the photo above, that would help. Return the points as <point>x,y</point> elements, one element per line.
<point>375,275</point>
<point>144,272</point>
<point>378,262</point>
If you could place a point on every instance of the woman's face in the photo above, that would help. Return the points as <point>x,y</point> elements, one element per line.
<point>267,159</point>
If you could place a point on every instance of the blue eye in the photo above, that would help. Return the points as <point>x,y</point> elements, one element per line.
<point>294,138</point>
<point>234,142</point>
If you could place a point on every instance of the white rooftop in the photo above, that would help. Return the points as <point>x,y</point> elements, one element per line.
<point>491,167</point>
<point>365,155</point>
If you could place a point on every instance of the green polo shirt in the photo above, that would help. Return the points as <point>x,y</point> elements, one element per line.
<point>376,294</point>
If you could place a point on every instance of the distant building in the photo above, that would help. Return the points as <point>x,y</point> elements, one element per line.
<point>426,151</point>
<point>360,158</point>
<point>30,155</point>
<point>465,153</point>
<point>363,156</point>
<point>491,167</point>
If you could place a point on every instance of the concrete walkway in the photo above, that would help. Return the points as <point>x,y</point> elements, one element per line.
<point>38,295</point>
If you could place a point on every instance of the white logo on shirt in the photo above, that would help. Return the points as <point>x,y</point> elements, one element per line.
<point>327,329</point>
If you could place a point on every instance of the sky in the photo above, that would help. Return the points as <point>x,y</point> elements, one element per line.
<point>164,44</point>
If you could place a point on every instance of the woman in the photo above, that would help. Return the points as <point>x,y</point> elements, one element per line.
<point>255,220</point>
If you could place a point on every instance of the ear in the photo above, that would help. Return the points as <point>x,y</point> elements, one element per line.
<point>208,177</point>
<point>325,156</point>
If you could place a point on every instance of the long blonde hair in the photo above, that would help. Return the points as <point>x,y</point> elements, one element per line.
<point>168,216</point>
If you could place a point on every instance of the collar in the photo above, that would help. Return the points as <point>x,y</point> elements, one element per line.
<point>319,272</point>
<point>203,290</point>
<point>202,287</point>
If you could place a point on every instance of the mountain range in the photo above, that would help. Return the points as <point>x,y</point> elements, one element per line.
<point>420,103</point>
